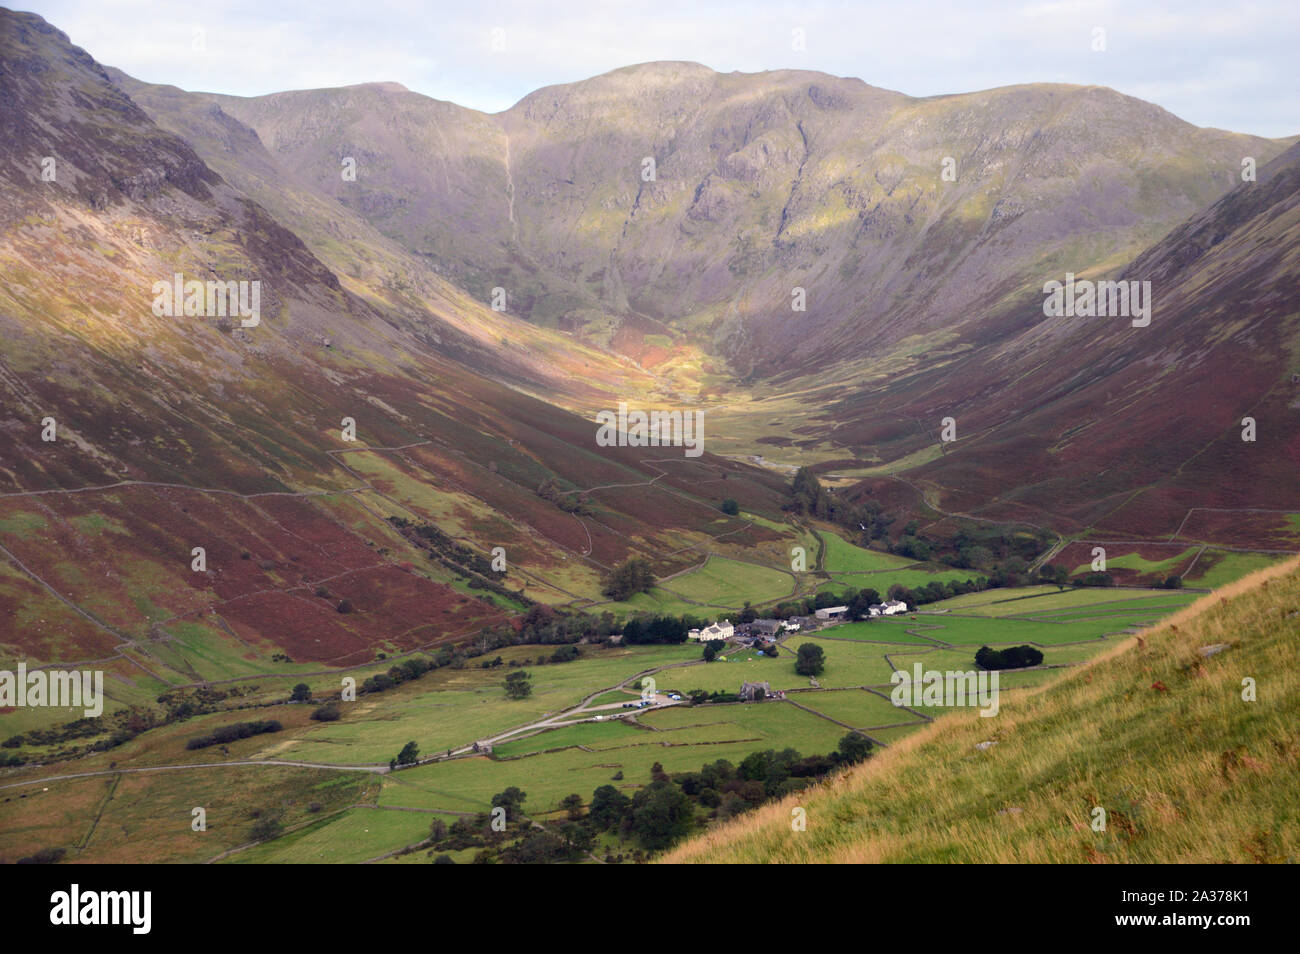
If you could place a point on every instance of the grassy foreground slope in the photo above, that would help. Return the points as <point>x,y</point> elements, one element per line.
<point>1155,732</point>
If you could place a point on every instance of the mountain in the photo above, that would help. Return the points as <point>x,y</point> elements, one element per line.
<point>924,296</point>
<point>762,182</point>
<point>171,433</point>
<point>1126,429</point>
<point>925,302</point>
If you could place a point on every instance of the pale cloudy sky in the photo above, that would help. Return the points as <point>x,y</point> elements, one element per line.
<point>1228,64</point>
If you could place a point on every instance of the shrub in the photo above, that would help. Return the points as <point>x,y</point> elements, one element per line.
<point>327,713</point>
<point>264,829</point>
<point>46,856</point>
<point>1015,657</point>
<point>230,733</point>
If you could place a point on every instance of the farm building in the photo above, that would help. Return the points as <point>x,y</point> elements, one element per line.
<point>888,608</point>
<point>766,627</point>
<point>719,630</point>
<point>832,612</point>
<point>755,691</point>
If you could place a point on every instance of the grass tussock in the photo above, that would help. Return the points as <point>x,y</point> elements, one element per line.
<point>1153,731</point>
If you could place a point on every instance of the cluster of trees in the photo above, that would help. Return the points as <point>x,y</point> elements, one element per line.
<point>669,807</point>
<point>230,733</point>
<point>544,625</point>
<point>701,696</point>
<point>116,728</point>
<point>863,522</point>
<point>1002,553</point>
<point>654,817</point>
<point>569,501</point>
<point>809,498</point>
<point>859,600</point>
<point>629,578</point>
<point>658,629</point>
<point>1015,657</point>
<point>995,549</point>
<point>506,835</point>
<point>457,557</point>
<point>408,669</point>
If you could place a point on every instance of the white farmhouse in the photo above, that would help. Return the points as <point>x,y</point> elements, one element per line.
<point>719,630</point>
<point>887,608</point>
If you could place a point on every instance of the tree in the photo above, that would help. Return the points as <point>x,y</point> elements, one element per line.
<point>729,507</point>
<point>810,660</point>
<point>630,577</point>
<point>409,755</point>
<point>512,800</point>
<point>518,685</point>
<point>301,693</point>
<point>608,806</point>
<point>573,805</point>
<point>661,814</point>
<point>710,650</point>
<point>853,748</point>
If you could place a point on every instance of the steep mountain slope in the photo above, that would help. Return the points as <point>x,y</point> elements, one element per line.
<point>761,183</point>
<point>1128,428</point>
<point>171,433</point>
<point>383,271</point>
<point>924,296</point>
<point>1184,767</point>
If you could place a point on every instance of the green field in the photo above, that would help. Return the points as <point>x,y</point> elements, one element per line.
<point>451,708</point>
<point>1133,561</point>
<point>843,557</point>
<point>1227,567</point>
<point>356,835</point>
<point>686,739</point>
<point>730,584</point>
<point>854,707</point>
<point>356,817</point>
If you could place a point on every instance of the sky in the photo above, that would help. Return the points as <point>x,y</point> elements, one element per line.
<point>1232,64</point>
